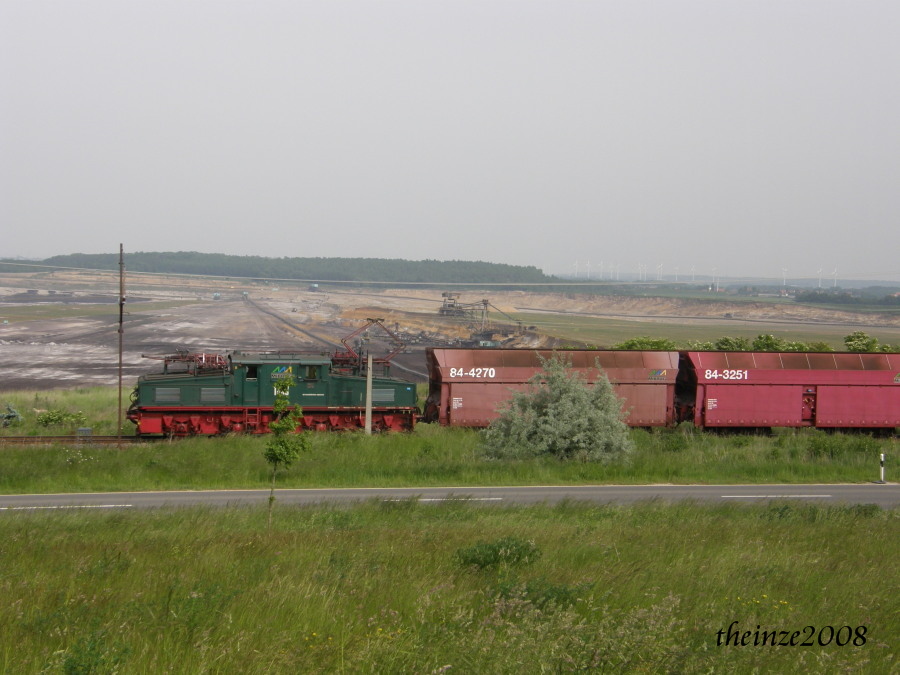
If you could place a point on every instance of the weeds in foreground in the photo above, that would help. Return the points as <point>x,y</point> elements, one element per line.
<point>368,589</point>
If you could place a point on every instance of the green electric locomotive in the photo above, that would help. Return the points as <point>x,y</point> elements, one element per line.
<point>211,394</point>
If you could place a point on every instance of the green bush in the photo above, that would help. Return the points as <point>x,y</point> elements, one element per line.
<point>858,341</point>
<point>60,418</point>
<point>767,343</point>
<point>561,416</point>
<point>733,344</point>
<point>508,552</point>
<point>646,342</point>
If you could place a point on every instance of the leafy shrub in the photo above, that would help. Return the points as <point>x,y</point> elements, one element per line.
<point>561,416</point>
<point>767,343</point>
<point>819,346</point>
<point>284,445</point>
<point>508,551</point>
<point>646,342</point>
<point>701,345</point>
<point>859,341</point>
<point>732,344</point>
<point>11,417</point>
<point>60,418</point>
<point>792,346</point>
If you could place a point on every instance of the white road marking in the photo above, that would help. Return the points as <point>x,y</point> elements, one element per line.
<point>446,499</point>
<point>72,506</point>
<point>775,496</point>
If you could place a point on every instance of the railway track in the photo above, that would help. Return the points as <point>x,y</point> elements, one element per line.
<point>70,440</point>
<point>331,344</point>
<point>284,323</point>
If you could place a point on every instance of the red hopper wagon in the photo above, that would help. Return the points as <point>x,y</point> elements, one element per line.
<point>802,389</point>
<point>467,386</point>
<point>739,390</point>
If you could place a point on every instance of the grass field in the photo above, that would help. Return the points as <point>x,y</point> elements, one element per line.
<point>405,587</point>
<point>409,587</point>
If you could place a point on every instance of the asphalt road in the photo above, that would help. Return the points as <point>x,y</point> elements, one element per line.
<point>884,495</point>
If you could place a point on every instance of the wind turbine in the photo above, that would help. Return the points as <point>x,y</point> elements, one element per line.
<point>659,272</point>
<point>820,277</point>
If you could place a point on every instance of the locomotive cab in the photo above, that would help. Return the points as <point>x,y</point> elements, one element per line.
<point>236,393</point>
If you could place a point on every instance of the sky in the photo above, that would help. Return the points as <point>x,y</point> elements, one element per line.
<point>588,137</point>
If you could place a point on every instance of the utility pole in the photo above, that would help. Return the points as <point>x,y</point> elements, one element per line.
<point>368,418</point>
<point>121,331</point>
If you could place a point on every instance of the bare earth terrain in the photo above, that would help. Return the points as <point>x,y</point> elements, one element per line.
<point>61,329</point>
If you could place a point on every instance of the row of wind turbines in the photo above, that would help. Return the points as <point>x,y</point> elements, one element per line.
<point>611,272</point>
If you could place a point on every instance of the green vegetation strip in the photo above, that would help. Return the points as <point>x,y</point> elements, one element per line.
<point>408,587</point>
<point>430,456</point>
<point>433,456</point>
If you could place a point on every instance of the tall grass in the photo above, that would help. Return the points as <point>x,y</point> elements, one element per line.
<point>429,456</point>
<point>433,456</point>
<point>404,587</point>
<point>99,405</point>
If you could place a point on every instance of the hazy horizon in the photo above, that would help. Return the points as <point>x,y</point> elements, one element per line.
<point>645,276</point>
<point>719,138</point>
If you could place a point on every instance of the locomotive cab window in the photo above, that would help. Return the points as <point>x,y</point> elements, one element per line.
<point>312,373</point>
<point>251,372</point>
<point>167,395</point>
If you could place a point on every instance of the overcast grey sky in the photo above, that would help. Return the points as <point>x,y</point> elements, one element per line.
<point>746,136</point>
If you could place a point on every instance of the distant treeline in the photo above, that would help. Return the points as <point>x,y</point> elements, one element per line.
<point>312,269</point>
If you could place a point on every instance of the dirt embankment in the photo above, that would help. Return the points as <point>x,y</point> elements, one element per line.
<point>677,308</point>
